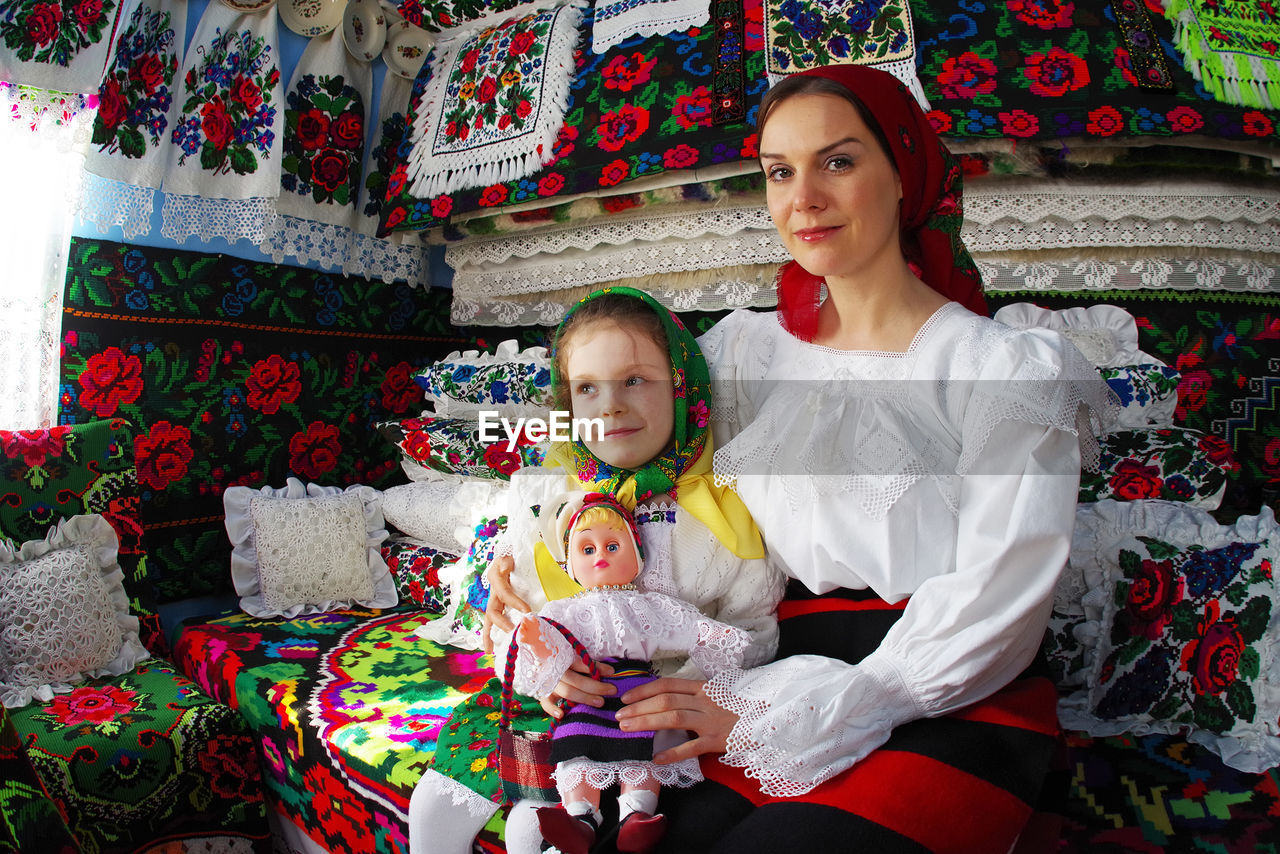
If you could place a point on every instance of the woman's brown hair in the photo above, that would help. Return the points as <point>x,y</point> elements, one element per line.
<point>804,84</point>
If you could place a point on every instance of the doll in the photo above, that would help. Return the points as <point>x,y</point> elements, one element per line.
<point>623,627</point>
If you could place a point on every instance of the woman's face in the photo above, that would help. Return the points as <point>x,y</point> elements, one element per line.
<point>622,377</point>
<point>833,193</point>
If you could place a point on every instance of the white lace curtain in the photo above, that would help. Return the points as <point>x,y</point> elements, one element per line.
<point>43,136</point>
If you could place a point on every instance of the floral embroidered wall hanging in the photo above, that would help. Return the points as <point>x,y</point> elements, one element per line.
<point>615,21</point>
<point>804,34</point>
<point>496,101</point>
<point>1231,47</point>
<point>323,149</point>
<point>136,101</point>
<point>226,136</point>
<point>60,45</point>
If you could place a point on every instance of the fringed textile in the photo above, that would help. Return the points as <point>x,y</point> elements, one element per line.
<point>495,103</point>
<point>1230,47</point>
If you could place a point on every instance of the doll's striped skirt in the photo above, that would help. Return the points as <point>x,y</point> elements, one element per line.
<point>966,783</point>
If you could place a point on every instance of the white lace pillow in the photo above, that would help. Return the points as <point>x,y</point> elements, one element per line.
<point>439,513</point>
<point>305,549</point>
<point>1106,334</point>
<point>64,615</point>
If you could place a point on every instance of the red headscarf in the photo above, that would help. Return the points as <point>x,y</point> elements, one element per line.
<point>930,216</point>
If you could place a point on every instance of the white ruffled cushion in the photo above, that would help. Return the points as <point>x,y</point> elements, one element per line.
<point>305,549</point>
<point>64,615</point>
<point>1181,612</point>
<point>1106,334</point>
<point>439,513</point>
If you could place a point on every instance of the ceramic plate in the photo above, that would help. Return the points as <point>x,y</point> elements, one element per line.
<point>247,5</point>
<point>364,29</point>
<point>311,17</point>
<point>407,48</point>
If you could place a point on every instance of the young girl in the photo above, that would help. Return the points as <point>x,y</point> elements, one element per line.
<point>623,627</point>
<point>620,356</point>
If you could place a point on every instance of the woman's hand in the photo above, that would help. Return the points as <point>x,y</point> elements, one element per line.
<point>501,596</point>
<point>678,704</point>
<point>577,686</point>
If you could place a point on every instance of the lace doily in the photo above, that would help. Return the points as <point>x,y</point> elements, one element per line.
<point>307,548</point>
<point>64,615</point>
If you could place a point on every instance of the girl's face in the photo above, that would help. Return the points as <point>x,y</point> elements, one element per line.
<point>832,191</point>
<point>623,378</point>
<point>602,554</point>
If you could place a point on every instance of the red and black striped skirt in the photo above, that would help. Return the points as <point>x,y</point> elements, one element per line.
<point>965,783</point>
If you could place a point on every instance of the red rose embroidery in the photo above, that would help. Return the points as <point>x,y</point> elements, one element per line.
<point>488,90</point>
<point>330,169</point>
<point>35,446</point>
<point>441,206</point>
<point>1154,592</point>
<point>42,23</point>
<point>1105,121</point>
<point>247,93</point>
<point>315,451</point>
<point>494,195</point>
<point>624,73</point>
<point>88,13</point>
<point>1184,119</point>
<point>94,706</point>
<point>163,455</point>
<point>627,124</point>
<point>399,389</point>
<point>1020,123</point>
<point>1133,480</point>
<point>1043,14</point>
<point>313,129</point>
<point>614,173</point>
<point>1056,73</point>
<point>967,76</point>
<point>1193,392</point>
<point>272,383</point>
<point>1213,659</point>
<point>111,105</point>
<point>693,109</point>
<point>550,184</point>
<point>680,157</point>
<point>216,124</point>
<point>498,458</point>
<point>1255,123</point>
<point>148,70</point>
<point>110,379</point>
<point>1219,452</point>
<point>940,122</point>
<point>347,131</point>
<point>521,42</point>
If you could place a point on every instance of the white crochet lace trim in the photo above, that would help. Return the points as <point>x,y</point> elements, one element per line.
<point>602,775</point>
<point>1240,275</point>
<point>437,784</point>
<point>41,109</point>
<point>107,204</point>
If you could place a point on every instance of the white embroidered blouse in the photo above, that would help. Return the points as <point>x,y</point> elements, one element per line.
<point>947,473</point>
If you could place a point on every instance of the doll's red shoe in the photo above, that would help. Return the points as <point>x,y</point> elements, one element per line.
<point>640,832</point>
<point>572,834</point>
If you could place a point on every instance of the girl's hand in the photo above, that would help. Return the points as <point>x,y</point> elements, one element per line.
<point>670,703</point>
<point>577,686</point>
<point>501,596</point>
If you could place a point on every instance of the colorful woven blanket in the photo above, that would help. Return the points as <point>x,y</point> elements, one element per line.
<point>1230,46</point>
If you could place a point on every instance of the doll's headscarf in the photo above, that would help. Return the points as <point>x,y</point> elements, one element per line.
<point>684,469</point>
<point>573,512</point>
<point>930,216</point>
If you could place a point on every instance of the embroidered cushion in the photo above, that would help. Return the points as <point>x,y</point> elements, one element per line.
<point>1172,464</point>
<point>453,446</point>
<point>1183,609</point>
<point>64,615</point>
<point>307,548</point>
<point>1147,393</point>
<point>468,590</point>
<point>439,513</point>
<point>416,567</point>
<point>512,382</point>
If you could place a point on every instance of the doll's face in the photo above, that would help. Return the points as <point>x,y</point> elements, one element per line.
<point>602,554</point>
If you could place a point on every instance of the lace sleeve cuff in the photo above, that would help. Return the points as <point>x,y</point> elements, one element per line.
<point>805,719</point>
<point>536,676</point>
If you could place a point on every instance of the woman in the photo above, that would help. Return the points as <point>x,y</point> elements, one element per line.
<point>913,467</point>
